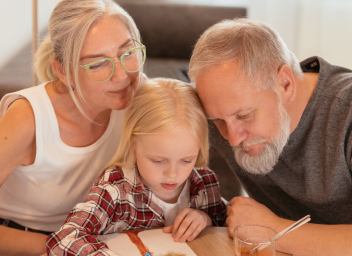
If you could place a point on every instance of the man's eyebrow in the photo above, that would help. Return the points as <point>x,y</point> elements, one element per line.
<point>232,114</point>
<point>102,55</point>
<point>212,118</point>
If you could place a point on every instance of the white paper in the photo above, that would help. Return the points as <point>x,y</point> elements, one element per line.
<point>158,242</point>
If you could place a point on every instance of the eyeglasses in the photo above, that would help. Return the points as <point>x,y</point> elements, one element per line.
<point>132,61</point>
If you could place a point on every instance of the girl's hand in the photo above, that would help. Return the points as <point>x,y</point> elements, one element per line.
<point>188,224</point>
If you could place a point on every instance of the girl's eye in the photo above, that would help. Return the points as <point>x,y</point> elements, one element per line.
<point>157,161</point>
<point>186,161</point>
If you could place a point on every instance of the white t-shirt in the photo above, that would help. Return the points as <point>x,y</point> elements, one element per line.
<point>40,195</point>
<point>171,210</point>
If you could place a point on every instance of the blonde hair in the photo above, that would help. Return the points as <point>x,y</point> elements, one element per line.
<point>162,105</point>
<point>257,48</point>
<point>68,26</point>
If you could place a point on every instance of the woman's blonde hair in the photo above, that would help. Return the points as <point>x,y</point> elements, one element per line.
<point>68,26</point>
<point>257,48</point>
<point>162,105</point>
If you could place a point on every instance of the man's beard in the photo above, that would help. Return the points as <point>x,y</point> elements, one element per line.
<point>267,159</point>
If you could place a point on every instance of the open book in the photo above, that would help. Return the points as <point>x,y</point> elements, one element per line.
<point>138,243</point>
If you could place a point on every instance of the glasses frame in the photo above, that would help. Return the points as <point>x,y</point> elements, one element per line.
<point>87,66</point>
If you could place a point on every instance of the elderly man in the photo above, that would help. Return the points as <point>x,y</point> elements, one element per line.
<point>286,133</point>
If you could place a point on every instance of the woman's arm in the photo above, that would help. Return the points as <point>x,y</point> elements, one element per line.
<point>17,138</point>
<point>17,147</point>
<point>21,243</point>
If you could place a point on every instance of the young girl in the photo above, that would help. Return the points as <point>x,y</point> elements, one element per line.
<point>157,177</point>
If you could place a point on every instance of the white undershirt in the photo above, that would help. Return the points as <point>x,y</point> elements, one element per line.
<point>171,210</point>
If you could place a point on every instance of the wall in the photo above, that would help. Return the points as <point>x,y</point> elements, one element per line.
<point>16,25</point>
<point>310,27</point>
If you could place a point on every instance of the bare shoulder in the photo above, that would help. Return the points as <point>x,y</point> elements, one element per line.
<point>19,117</point>
<point>17,135</point>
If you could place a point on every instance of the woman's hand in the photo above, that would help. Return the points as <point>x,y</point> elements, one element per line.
<point>188,224</point>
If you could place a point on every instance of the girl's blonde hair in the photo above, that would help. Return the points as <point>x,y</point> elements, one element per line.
<point>162,105</point>
<point>68,26</point>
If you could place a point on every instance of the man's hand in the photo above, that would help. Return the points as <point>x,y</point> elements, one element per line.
<point>188,224</point>
<point>244,210</point>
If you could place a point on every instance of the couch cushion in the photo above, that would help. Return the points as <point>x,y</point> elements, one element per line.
<point>170,29</point>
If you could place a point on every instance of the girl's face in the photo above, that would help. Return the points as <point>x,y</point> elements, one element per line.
<point>165,161</point>
<point>108,38</point>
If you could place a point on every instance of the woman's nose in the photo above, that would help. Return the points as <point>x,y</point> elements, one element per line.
<point>119,74</point>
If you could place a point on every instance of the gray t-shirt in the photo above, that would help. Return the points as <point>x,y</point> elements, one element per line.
<point>313,175</point>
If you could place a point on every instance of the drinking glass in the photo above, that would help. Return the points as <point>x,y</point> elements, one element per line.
<point>246,237</point>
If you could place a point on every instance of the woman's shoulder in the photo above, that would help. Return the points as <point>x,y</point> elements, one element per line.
<point>30,99</point>
<point>19,115</point>
<point>17,127</point>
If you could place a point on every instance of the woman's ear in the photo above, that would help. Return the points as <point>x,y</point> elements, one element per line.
<point>59,70</point>
<point>286,83</point>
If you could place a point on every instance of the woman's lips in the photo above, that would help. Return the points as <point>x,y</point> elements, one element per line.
<point>122,90</point>
<point>169,186</point>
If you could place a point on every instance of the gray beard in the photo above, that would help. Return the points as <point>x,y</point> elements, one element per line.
<point>268,158</point>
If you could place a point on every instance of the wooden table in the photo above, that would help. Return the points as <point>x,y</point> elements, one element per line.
<point>215,241</point>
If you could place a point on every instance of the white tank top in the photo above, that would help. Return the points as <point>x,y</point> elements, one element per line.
<point>41,195</point>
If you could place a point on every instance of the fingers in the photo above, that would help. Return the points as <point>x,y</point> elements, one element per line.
<point>244,210</point>
<point>179,220</point>
<point>188,224</point>
<point>235,205</point>
<point>231,222</point>
<point>239,199</point>
<point>192,232</point>
<point>168,229</point>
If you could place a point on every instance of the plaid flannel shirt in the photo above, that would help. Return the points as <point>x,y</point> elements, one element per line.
<point>120,201</point>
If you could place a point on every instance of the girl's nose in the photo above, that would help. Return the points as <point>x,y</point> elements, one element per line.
<point>172,172</point>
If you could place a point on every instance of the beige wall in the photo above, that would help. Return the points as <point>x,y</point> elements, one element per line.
<point>310,27</point>
<point>16,24</point>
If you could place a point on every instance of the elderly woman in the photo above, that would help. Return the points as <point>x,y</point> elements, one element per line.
<point>56,137</point>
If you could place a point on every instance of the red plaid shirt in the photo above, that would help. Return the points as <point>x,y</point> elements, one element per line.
<point>119,201</point>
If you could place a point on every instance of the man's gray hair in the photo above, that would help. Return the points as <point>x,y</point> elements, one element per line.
<point>258,49</point>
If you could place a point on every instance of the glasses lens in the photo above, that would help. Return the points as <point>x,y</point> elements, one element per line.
<point>133,60</point>
<point>101,70</point>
